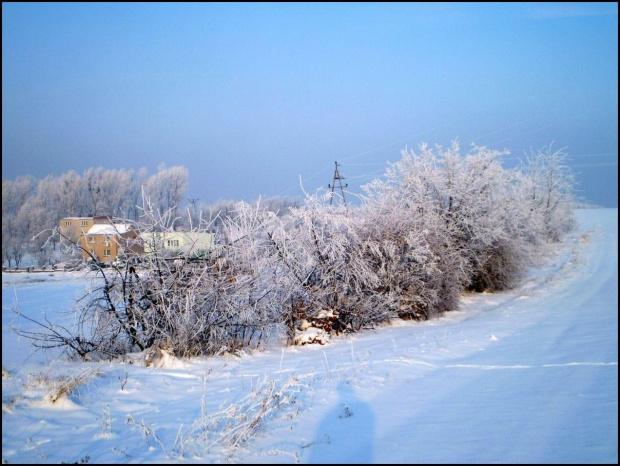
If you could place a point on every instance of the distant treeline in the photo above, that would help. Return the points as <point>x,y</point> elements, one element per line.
<point>30,205</point>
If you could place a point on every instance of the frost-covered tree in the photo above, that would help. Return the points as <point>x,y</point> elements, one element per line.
<point>14,195</point>
<point>166,189</point>
<point>13,245</point>
<point>473,196</point>
<point>550,197</point>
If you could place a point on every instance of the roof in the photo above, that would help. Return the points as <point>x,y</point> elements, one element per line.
<point>88,217</point>
<point>102,229</point>
<point>176,234</point>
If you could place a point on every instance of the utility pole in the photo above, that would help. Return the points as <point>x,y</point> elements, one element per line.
<point>333,185</point>
<point>193,201</point>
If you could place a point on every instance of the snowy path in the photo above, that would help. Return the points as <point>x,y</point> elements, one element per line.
<point>527,376</point>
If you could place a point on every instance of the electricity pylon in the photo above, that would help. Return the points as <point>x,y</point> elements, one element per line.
<point>333,185</point>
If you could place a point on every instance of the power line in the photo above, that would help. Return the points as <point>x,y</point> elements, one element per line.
<point>593,155</point>
<point>590,165</point>
<point>364,164</point>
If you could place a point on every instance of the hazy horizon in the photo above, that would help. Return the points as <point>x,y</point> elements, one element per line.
<point>249,97</point>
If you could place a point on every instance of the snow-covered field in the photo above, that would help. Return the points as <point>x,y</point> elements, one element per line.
<point>528,376</point>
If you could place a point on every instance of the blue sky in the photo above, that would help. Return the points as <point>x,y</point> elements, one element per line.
<point>251,96</point>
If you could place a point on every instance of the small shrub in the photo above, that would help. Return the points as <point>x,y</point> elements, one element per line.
<point>65,386</point>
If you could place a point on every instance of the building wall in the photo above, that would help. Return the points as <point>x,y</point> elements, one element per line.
<point>98,244</point>
<point>178,241</point>
<point>75,227</point>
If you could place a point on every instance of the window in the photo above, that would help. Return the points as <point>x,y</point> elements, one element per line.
<point>106,253</point>
<point>91,239</point>
<point>84,223</point>
<point>92,252</point>
<point>68,223</point>
<point>106,240</point>
<point>173,243</point>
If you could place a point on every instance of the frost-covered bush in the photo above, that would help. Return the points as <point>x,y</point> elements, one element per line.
<point>191,305</point>
<point>484,219</point>
<point>228,301</point>
<point>410,243</point>
<point>319,248</point>
<point>475,198</point>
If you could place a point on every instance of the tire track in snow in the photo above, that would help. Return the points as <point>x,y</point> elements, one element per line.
<point>491,367</point>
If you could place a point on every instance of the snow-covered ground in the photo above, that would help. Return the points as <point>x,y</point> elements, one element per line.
<point>526,376</point>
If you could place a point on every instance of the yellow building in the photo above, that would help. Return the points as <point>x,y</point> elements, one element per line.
<point>73,228</point>
<point>106,242</point>
<point>100,236</point>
